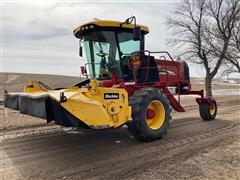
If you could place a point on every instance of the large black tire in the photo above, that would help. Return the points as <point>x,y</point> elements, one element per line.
<point>140,103</point>
<point>208,111</point>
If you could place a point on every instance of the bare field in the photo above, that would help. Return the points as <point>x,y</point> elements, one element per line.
<point>192,149</point>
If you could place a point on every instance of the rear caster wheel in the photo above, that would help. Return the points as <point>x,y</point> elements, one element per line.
<point>208,111</point>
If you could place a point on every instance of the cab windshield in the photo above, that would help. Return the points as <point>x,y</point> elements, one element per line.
<point>106,51</point>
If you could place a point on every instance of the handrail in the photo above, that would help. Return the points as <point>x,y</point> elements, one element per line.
<point>163,52</point>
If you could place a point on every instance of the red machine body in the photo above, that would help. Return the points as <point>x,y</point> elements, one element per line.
<point>172,74</point>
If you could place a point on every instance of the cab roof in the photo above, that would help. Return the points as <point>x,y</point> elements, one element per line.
<point>105,24</point>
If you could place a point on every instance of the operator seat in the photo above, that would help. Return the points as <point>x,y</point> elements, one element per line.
<point>153,74</point>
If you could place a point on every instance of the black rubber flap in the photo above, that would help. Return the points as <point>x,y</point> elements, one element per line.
<point>33,106</point>
<point>22,103</point>
<point>11,101</point>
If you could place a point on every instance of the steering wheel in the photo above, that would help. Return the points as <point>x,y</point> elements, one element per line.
<point>102,54</point>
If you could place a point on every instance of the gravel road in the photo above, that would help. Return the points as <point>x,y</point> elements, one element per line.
<point>192,148</point>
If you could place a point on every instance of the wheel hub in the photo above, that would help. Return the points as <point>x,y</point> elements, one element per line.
<point>212,108</point>
<point>150,113</point>
<point>155,114</point>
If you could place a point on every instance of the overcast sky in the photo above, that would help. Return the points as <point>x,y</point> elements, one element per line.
<point>37,35</point>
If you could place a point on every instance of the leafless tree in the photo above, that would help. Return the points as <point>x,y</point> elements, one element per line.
<point>206,32</point>
<point>233,53</point>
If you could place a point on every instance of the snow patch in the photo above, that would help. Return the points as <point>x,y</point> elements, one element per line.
<point>11,77</point>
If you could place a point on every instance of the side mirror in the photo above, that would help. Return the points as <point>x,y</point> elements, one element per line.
<point>136,33</point>
<point>80,49</point>
<point>83,70</point>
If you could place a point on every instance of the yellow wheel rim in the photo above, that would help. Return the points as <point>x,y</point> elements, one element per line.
<point>155,114</point>
<point>212,108</point>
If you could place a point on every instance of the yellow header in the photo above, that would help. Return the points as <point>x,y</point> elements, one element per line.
<point>105,23</point>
